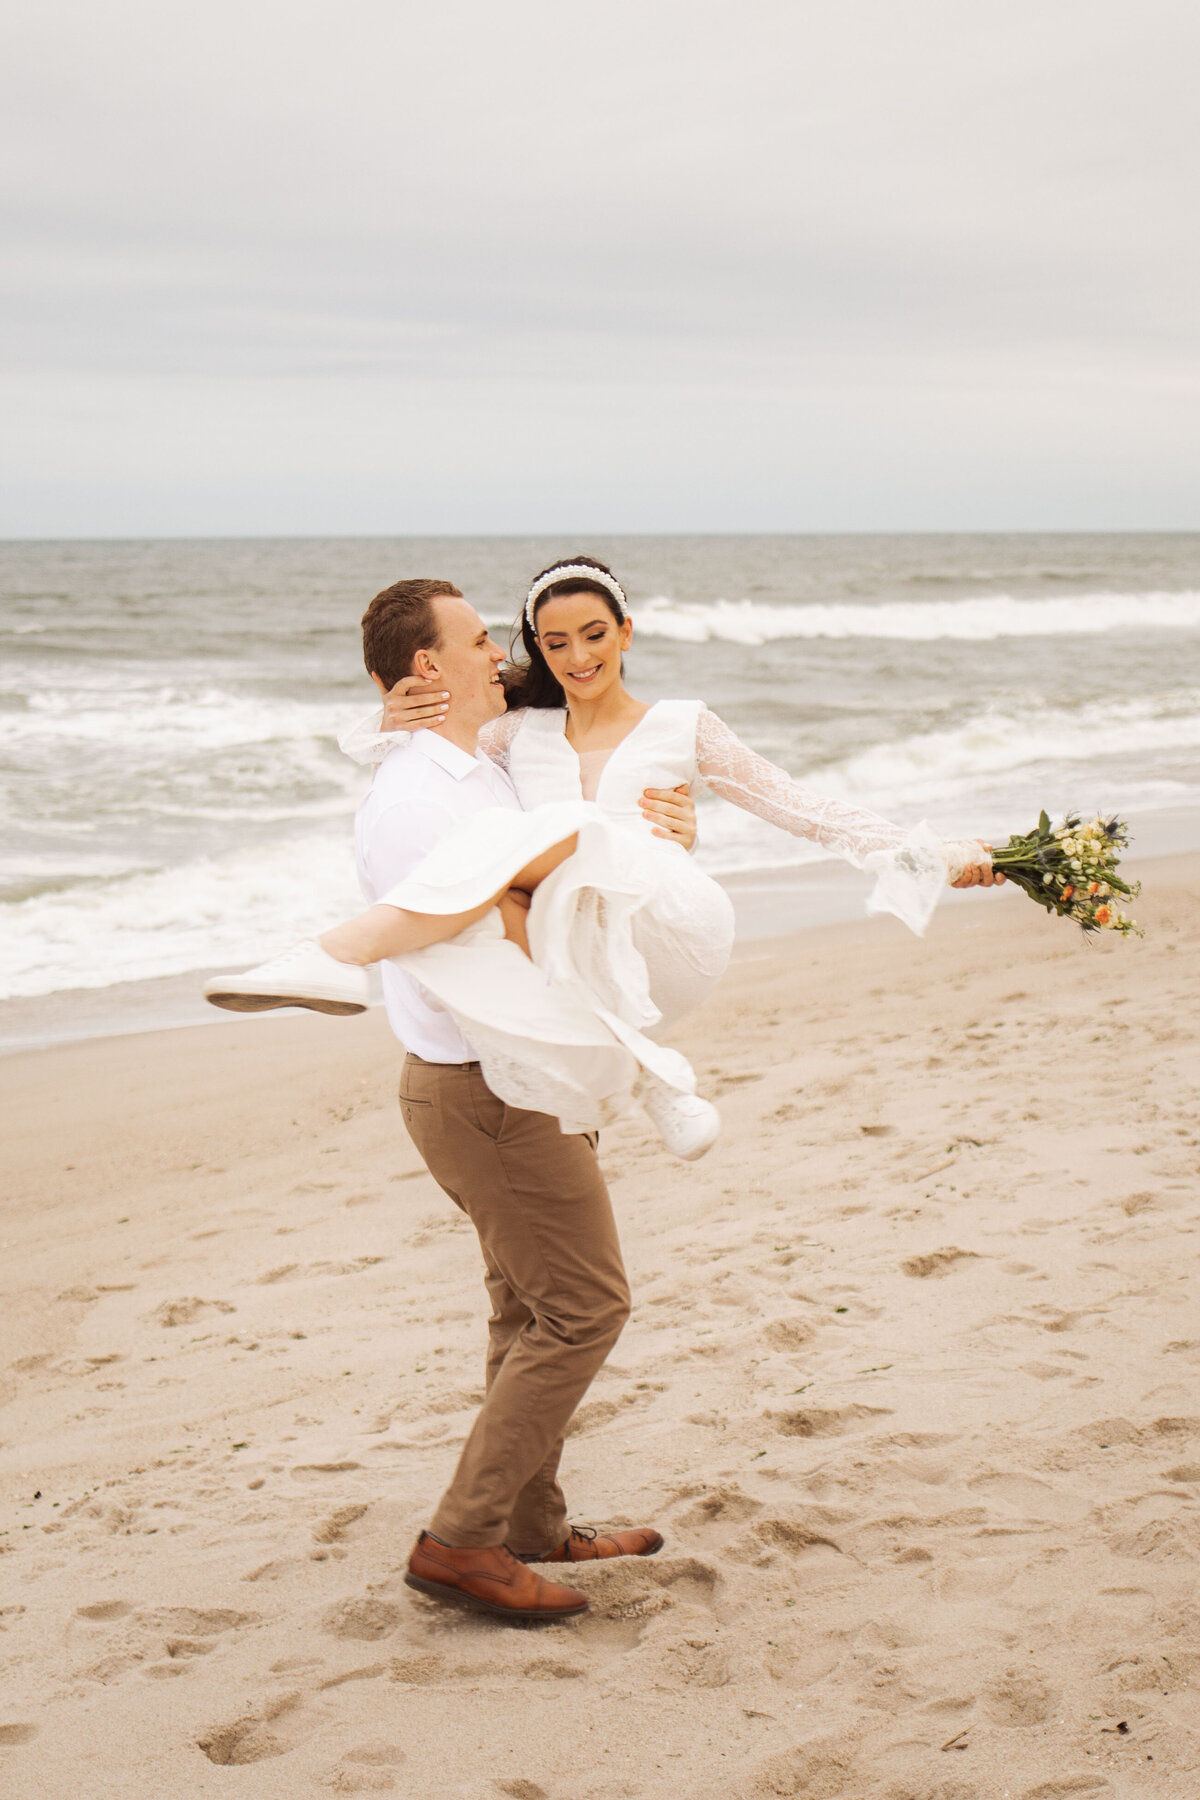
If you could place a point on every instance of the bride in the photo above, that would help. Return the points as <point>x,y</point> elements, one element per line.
<point>623,931</point>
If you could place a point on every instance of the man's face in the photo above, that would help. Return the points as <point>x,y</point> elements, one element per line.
<point>466,663</point>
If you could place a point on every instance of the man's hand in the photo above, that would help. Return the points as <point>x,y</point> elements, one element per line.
<point>672,812</point>
<point>981,873</point>
<point>413,703</point>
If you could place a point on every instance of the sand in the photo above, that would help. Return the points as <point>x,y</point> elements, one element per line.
<point>910,1387</point>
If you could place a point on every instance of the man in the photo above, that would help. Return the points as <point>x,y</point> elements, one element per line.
<point>535,1195</point>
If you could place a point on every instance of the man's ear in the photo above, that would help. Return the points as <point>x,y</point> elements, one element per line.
<point>424,666</point>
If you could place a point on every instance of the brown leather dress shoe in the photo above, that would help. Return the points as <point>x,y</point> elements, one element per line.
<point>491,1580</point>
<point>586,1544</point>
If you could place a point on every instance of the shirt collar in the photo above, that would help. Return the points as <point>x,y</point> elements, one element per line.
<point>364,742</point>
<point>457,762</point>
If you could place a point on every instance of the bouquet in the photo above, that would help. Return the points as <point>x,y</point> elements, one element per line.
<point>1071,870</point>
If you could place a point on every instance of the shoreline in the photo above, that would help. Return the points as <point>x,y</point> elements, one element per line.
<point>909,1386</point>
<point>769,903</point>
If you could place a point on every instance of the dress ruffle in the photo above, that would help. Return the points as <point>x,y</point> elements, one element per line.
<point>569,1032</point>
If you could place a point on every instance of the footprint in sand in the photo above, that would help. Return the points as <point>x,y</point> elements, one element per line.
<point>718,1506</point>
<point>1028,1494</point>
<point>273,1730</point>
<point>308,1271</point>
<point>677,1660</point>
<point>368,1770</point>
<point>103,1611</point>
<point>1068,1787</point>
<point>824,1766</point>
<point>788,1334</point>
<point>363,1619</point>
<point>762,1542</point>
<point>630,1590</point>
<point>937,1262</point>
<point>17,1734</point>
<point>173,1637</point>
<point>419,1668</point>
<point>553,1668</point>
<point>1018,1698</point>
<point>816,1421</point>
<point>599,1412</point>
<point>309,1471</point>
<point>186,1311</point>
<point>333,1529</point>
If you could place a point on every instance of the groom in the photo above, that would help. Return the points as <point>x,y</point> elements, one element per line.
<point>535,1196</point>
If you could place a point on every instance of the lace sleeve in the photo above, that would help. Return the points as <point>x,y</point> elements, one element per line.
<point>911,866</point>
<point>731,769</point>
<point>495,738</point>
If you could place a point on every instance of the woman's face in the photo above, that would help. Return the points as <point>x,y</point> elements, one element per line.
<point>582,644</point>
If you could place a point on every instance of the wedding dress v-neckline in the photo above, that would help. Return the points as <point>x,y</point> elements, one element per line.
<point>593,770</point>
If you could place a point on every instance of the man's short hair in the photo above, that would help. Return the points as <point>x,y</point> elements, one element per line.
<point>399,622</point>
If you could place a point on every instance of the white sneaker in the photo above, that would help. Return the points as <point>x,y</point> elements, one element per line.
<point>305,975</point>
<point>687,1125</point>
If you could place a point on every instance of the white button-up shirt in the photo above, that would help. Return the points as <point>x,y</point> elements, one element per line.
<point>417,796</point>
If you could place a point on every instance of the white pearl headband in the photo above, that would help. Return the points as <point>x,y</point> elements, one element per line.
<point>575,572</point>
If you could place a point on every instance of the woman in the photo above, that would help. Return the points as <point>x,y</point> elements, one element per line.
<point>620,921</point>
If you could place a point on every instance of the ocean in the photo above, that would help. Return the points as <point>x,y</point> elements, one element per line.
<point>174,800</point>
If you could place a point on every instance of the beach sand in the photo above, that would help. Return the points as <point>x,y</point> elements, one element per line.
<point>910,1387</point>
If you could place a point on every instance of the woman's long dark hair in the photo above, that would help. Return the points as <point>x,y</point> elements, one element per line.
<point>530,683</point>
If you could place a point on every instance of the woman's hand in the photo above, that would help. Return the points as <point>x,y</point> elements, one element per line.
<point>410,705</point>
<point>672,812</point>
<point>980,873</point>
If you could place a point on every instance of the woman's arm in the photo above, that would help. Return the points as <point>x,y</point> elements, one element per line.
<point>410,705</point>
<point>738,774</point>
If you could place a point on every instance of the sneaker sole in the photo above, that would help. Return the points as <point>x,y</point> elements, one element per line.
<point>249,1003</point>
<point>438,1590</point>
<point>695,1155</point>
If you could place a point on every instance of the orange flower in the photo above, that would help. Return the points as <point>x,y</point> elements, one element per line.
<point>1103,915</point>
<point>1094,888</point>
<point>1067,891</point>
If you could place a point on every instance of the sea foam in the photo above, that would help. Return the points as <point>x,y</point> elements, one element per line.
<point>923,621</point>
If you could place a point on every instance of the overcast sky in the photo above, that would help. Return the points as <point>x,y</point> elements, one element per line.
<point>652,265</point>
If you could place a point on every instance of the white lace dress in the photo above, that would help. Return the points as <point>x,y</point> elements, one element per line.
<point>628,933</point>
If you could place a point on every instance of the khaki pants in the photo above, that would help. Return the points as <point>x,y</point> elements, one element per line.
<point>557,1286</point>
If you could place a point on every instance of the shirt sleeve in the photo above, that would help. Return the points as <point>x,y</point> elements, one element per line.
<point>401,836</point>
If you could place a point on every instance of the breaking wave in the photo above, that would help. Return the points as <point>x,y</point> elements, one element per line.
<point>976,620</point>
